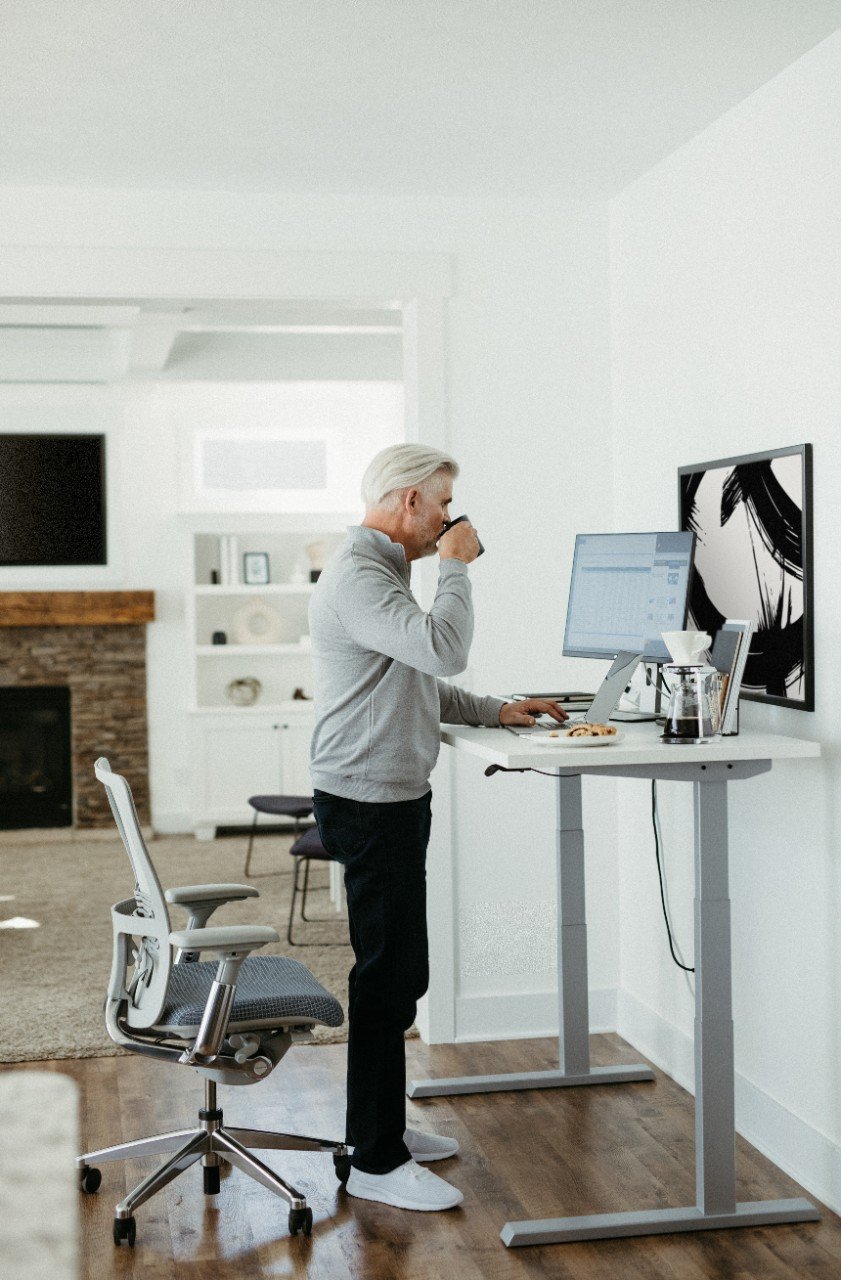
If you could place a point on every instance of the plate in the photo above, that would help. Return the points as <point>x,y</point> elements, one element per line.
<point>545,739</point>
<point>256,622</point>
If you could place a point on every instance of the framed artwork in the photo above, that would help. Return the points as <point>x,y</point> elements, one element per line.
<point>752,517</point>
<point>255,568</point>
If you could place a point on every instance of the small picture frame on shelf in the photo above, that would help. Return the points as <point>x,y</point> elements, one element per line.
<point>255,568</point>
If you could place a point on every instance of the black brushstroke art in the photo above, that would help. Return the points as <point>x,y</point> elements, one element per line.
<point>764,571</point>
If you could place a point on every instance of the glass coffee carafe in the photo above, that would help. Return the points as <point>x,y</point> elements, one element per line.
<point>694,713</point>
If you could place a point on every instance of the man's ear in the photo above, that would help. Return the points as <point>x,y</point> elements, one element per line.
<point>410,502</point>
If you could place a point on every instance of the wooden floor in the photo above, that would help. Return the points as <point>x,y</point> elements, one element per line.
<point>537,1154</point>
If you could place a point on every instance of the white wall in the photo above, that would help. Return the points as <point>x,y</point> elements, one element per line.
<point>526,351</point>
<point>726,310</point>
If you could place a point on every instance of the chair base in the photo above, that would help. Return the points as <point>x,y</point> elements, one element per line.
<point>212,1143</point>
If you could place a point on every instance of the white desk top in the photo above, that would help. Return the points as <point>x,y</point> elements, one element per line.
<point>640,745</point>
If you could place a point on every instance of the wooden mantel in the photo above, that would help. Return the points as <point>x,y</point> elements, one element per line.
<point>76,608</point>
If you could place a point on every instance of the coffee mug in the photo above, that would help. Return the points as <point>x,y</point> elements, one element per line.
<point>458,520</point>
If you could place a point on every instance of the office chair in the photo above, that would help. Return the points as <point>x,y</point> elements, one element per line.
<point>231,1019</point>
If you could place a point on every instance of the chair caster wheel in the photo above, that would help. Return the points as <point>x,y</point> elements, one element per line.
<point>125,1229</point>
<point>342,1166</point>
<point>211,1176</point>
<point>89,1180</point>
<point>300,1220</point>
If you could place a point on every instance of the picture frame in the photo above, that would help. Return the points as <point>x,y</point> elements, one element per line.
<point>752,517</point>
<point>255,568</point>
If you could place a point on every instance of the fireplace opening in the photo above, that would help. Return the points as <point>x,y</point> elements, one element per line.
<point>36,787</point>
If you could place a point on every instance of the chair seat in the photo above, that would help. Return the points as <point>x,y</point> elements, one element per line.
<point>283,806</point>
<point>309,846</point>
<point>267,987</point>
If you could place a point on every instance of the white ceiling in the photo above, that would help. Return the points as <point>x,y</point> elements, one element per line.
<point>561,97</point>
<point>102,340</point>
<point>463,97</point>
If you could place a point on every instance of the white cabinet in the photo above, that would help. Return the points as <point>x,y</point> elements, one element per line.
<point>295,738</point>
<point>241,754</point>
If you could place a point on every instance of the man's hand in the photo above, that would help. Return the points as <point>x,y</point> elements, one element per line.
<point>459,543</point>
<point>526,709</point>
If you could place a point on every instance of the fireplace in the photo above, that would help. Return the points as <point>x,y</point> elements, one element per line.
<point>36,788</point>
<point>93,643</point>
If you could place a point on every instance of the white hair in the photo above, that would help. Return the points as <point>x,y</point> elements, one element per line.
<point>401,467</point>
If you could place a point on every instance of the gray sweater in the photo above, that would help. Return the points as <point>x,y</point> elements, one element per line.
<point>379,659</point>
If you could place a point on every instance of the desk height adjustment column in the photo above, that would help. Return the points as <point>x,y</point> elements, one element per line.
<point>573,995</point>
<point>573,1002</point>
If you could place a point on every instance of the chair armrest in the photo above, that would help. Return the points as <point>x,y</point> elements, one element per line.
<point>201,900</point>
<point>189,893</point>
<point>230,939</point>
<point>232,943</point>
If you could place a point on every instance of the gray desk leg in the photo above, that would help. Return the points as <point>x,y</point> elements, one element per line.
<point>573,1005</point>
<point>715,1135</point>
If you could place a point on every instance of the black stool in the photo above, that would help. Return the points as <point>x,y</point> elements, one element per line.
<point>296,807</point>
<point>306,849</point>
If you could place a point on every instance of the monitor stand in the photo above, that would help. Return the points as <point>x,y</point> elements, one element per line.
<point>612,687</point>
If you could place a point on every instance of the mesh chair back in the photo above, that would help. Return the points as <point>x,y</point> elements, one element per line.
<point>142,955</point>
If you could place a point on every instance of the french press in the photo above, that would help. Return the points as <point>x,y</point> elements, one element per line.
<point>694,713</point>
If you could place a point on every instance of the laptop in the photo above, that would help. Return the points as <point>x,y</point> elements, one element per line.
<point>605,700</point>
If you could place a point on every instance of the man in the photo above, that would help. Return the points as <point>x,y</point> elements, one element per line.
<point>380,696</point>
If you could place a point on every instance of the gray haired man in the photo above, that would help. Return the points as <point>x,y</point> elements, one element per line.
<point>381,692</point>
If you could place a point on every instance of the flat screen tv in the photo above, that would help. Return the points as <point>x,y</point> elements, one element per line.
<point>52,499</point>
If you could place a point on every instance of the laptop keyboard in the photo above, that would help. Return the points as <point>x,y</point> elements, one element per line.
<point>542,724</point>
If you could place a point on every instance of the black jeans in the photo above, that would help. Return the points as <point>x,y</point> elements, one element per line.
<point>383,850</point>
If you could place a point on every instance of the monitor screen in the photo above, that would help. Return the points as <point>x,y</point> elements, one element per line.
<point>626,588</point>
<point>52,499</point>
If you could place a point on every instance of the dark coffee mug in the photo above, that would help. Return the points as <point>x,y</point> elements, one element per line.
<point>458,520</point>
<point>219,637</point>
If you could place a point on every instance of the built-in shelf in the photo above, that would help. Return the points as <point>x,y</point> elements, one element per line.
<point>297,705</point>
<point>263,747</point>
<point>243,589</point>
<point>244,650</point>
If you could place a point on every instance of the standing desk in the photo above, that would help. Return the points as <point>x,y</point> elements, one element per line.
<point>710,768</point>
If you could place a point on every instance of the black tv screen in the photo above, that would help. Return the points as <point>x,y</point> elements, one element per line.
<point>52,499</point>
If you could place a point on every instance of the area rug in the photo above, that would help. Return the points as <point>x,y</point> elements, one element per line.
<point>53,979</point>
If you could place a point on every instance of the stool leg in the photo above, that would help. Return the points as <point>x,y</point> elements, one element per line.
<point>304,915</point>
<point>250,843</point>
<point>289,937</point>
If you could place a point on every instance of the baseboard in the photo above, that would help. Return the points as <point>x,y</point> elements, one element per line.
<point>525,1015</point>
<point>63,835</point>
<point>804,1153</point>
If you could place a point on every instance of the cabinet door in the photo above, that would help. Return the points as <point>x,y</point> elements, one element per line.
<point>235,761</point>
<point>295,757</point>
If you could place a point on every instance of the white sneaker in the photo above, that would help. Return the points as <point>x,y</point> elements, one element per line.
<point>409,1186</point>
<point>429,1146</point>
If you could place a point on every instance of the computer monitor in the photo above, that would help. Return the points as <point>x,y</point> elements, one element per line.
<point>627,588</point>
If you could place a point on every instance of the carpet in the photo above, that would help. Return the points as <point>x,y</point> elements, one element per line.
<point>53,979</point>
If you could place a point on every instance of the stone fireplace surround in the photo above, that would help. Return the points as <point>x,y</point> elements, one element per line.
<point>95,643</point>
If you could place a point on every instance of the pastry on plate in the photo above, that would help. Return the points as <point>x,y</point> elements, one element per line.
<point>591,731</point>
